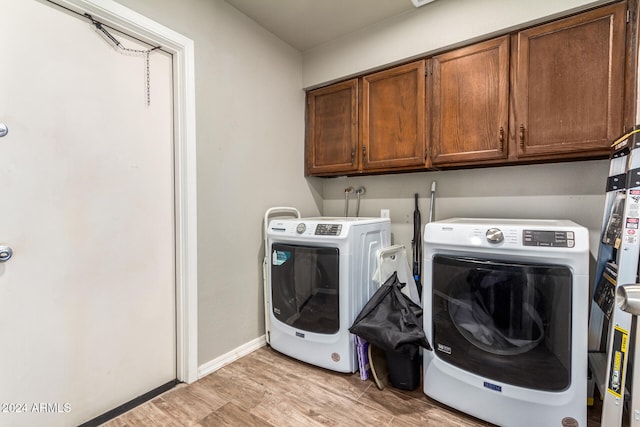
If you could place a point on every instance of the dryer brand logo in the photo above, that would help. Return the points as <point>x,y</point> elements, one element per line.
<point>569,422</point>
<point>444,348</point>
<point>494,387</point>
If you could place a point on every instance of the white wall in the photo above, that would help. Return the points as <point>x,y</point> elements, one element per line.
<point>564,191</point>
<point>250,133</point>
<point>572,191</point>
<point>423,30</point>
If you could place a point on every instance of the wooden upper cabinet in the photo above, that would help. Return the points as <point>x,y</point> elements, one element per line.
<point>470,103</point>
<point>332,129</point>
<point>393,118</point>
<point>569,85</point>
<point>552,92</point>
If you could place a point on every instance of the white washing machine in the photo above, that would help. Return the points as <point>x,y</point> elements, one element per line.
<point>319,278</point>
<point>505,309</point>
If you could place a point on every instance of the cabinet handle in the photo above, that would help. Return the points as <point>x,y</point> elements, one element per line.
<point>353,156</point>
<point>522,137</point>
<point>364,154</point>
<point>501,139</point>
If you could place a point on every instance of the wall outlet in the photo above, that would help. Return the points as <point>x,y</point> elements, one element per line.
<point>385,213</point>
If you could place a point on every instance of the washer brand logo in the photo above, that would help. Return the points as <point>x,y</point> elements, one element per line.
<point>300,334</point>
<point>493,387</point>
<point>569,422</point>
<point>444,348</point>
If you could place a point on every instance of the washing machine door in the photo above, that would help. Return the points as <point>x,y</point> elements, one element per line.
<point>304,287</point>
<point>510,322</point>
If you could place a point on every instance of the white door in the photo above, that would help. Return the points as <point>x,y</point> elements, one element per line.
<point>87,301</point>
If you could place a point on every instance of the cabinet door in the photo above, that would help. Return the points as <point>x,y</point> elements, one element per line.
<point>393,118</point>
<point>569,84</point>
<point>470,103</point>
<point>332,129</point>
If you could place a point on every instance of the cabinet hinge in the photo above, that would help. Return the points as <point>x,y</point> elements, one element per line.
<point>628,16</point>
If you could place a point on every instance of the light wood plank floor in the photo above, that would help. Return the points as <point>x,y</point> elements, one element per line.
<point>266,388</point>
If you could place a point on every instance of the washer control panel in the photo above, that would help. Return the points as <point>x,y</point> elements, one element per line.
<point>554,239</point>
<point>328,229</point>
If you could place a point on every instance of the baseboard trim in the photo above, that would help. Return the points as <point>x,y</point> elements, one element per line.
<point>235,354</point>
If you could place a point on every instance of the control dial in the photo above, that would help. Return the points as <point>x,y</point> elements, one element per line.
<point>494,235</point>
<point>301,228</point>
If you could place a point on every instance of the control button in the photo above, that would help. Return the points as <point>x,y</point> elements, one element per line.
<point>570,235</point>
<point>301,228</point>
<point>570,243</point>
<point>5,253</point>
<point>494,235</point>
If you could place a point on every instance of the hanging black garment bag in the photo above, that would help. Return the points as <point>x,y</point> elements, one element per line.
<point>391,321</point>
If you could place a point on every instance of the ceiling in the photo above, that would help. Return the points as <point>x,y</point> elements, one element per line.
<point>308,23</point>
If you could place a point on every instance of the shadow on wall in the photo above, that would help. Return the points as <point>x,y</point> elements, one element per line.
<point>316,186</point>
<point>586,177</point>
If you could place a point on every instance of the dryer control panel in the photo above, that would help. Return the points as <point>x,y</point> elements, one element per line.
<point>555,239</point>
<point>512,235</point>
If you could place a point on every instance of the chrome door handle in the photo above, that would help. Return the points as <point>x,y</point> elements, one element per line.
<point>5,253</point>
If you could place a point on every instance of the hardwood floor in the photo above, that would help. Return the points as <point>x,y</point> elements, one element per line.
<point>266,388</point>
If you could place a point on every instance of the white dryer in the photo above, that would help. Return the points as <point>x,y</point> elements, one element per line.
<point>319,278</point>
<point>505,309</point>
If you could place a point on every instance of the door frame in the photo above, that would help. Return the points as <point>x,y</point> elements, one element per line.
<point>130,22</point>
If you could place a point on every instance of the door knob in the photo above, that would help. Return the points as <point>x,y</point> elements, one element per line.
<point>5,253</point>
